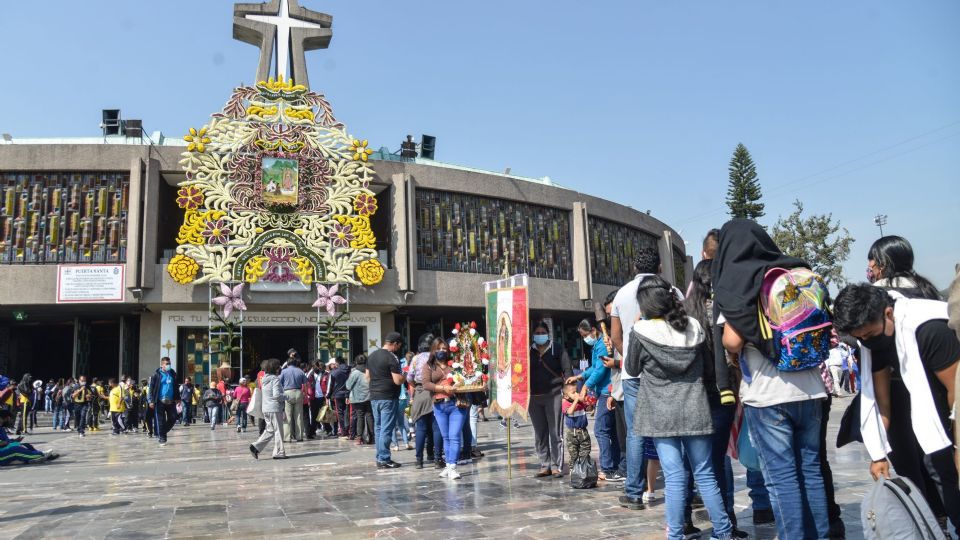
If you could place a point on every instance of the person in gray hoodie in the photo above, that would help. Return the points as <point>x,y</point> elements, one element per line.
<point>667,350</point>
<point>272,406</point>
<point>359,400</point>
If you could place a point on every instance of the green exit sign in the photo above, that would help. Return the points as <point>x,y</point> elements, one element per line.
<point>19,315</point>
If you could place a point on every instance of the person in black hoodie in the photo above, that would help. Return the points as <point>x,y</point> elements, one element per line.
<point>337,391</point>
<point>549,367</point>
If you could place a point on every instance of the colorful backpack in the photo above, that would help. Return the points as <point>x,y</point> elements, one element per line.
<point>794,316</point>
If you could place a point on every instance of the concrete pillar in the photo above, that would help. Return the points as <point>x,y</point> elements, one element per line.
<point>405,231</point>
<point>665,246</point>
<point>151,220</point>
<point>582,273</point>
<point>135,205</point>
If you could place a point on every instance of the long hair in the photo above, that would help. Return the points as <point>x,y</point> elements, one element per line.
<point>434,347</point>
<point>894,256</point>
<point>656,300</point>
<point>701,292</point>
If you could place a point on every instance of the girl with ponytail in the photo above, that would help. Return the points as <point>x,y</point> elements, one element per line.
<point>669,349</point>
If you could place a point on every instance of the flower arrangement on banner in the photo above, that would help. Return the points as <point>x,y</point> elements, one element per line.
<point>469,359</point>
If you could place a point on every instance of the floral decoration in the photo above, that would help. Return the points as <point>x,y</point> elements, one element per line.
<point>216,232</point>
<point>469,359</point>
<point>360,150</point>
<point>365,204</point>
<point>370,272</point>
<point>230,299</point>
<point>197,139</point>
<point>182,269</point>
<point>327,299</point>
<point>189,197</point>
<point>341,235</point>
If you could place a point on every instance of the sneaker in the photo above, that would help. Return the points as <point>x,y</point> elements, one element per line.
<point>254,452</point>
<point>163,443</point>
<point>238,430</point>
<point>389,464</point>
<point>440,463</point>
<point>453,474</point>
<point>615,476</point>
<point>280,456</point>
<point>82,435</point>
<point>444,472</point>
<point>649,497</point>
<point>763,516</point>
<point>631,503</point>
<point>419,464</point>
<point>464,461</point>
<point>476,453</point>
<point>690,532</point>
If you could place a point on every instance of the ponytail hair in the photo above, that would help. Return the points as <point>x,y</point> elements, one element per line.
<point>657,300</point>
<point>894,256</point>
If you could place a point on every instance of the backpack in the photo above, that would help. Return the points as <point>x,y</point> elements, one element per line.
<point>895,509</point>
<point>794,316</point>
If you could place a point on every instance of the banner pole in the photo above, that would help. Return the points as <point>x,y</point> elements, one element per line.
<point>509,466</point>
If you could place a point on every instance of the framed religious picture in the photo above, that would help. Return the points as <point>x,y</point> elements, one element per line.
<point>281,182</point>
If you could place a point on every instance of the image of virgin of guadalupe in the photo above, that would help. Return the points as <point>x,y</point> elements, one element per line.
<point>288,184</point>
<point>503,343</point>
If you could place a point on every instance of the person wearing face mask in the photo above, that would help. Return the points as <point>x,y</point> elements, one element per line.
<point>906,339</point>
<point>549,367</point>
<point>597,379</point>
<point>163,399</point>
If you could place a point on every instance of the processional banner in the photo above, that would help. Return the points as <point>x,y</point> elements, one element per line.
<point>508,323</point>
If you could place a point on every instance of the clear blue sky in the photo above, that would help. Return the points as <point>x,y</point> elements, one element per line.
<point>852,106</point>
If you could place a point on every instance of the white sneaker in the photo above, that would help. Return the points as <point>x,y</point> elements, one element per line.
<point>444,472</point>
<point>649,497</point>
<point>453,474</point>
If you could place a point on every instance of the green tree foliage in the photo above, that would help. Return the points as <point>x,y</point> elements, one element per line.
<point>816,239</point>
<point>743,192</point>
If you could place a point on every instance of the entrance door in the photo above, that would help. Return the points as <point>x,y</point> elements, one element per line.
<point>262,343</point>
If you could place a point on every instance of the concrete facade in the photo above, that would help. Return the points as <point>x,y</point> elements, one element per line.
<point>404,285</point>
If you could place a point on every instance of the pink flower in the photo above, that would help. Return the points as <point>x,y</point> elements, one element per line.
<point>328,299</point>
<point>230,299</point>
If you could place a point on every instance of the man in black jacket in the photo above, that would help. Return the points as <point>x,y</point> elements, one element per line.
<point>337,392</point>
<point>163,399</point>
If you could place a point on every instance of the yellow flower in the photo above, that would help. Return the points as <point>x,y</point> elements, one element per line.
<point>182,269</point>
<point>517,368</point>
<point>360,150</point>
<point>197,140</point>
<point>370,272</point>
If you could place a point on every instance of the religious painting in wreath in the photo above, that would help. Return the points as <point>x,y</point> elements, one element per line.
<point>280,181</point>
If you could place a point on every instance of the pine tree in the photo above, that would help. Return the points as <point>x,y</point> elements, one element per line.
<point>744,190</point>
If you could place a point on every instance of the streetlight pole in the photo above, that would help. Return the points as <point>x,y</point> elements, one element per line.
<point>880,220</point>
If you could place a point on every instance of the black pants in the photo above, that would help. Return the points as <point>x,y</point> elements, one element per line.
<point>622,438</point>
<point>363,419</point>
<point>312,426</point>
<point>833,509</point>
<point>935,475</point>
<point>116,418</point>
<point>166,416</point>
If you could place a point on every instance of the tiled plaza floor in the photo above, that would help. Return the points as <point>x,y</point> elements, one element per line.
<point>206,484</point>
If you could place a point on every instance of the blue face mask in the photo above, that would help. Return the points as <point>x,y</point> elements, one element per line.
<point>590,340</point>
<point>541,339</point>
<point>442,356</point>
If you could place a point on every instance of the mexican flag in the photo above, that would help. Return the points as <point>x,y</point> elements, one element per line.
<point>509,345</point>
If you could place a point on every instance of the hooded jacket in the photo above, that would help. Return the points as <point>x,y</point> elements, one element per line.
<point>671,399</point>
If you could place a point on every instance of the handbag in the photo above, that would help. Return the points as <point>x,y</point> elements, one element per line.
<point>255,408</point>
<point>326,415</point>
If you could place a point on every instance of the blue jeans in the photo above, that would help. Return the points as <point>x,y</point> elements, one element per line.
<point>427,427</point>
<point>384,420</point>
<point>80,413</point>
<point>402,425</point>
<point>758,490</point>
<point>450,418</point>
<point>787,440</point>
<point>672,451</point>
<point>57,413</point>
<point>605,430</point>
<point>636,481</point>
<point>187,415</point>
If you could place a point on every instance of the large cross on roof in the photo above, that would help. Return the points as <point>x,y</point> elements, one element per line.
<point>284,31</point>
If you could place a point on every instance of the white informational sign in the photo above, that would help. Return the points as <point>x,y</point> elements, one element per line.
<point>89,283</point>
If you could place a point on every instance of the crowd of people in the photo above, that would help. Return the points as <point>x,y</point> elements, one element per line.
<point>677,382</point>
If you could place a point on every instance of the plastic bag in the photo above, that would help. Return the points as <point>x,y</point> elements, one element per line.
<point>746,453</point>
<point>583,473</point>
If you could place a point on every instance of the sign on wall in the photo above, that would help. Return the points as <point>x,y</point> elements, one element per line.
<point>89,283</point>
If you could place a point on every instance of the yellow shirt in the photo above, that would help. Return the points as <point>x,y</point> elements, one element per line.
<point>196,396</point>
<point>116,400</point>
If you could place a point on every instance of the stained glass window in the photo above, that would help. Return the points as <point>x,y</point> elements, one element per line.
<point>679,268</point>
<point>459,232</point>
<point>613,249</point>
<point>63,217</point>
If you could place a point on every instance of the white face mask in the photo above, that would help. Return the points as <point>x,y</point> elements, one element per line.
<point>590,340</point>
